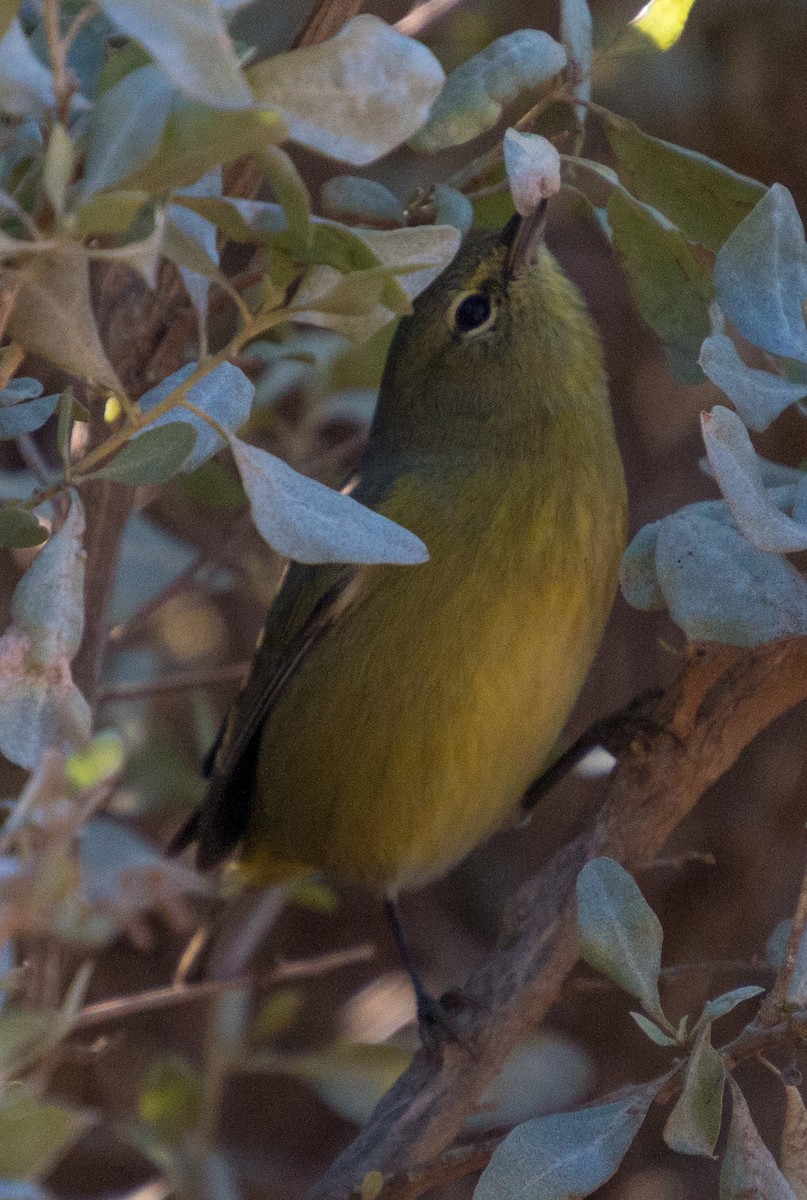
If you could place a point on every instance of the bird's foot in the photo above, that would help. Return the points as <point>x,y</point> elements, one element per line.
<point>439,1020</point>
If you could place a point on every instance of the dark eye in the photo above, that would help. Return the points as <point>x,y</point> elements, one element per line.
<point>472,312</point>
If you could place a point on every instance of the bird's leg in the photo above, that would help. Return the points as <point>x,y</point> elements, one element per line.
<point>617,732</point>
<point>434,1023</point>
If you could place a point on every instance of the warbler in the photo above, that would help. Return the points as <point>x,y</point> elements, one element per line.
<point>395,715</point>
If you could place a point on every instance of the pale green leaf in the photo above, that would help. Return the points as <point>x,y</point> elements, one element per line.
<point>379,86</point>
<point>693,1126</point>
<point>225,394</point>
<point>311,523</point>
<point>57,169</point>
<point>721,1006</point>
<point>97,762</point>
<point>292,194</point>
<point>620,934</point>
<point>33,1136</point>
<point>170,1101</point>
<point>189,40</point>
<point>476,92</point>
<point>108,212</point>
<point>702,197</point>
<point>125,128</point>
<point>638,578</point>
<point>670,286</point>
<point>48,602</point>
<point>151,457</point>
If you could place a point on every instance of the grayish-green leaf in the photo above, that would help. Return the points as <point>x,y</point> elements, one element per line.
<point>693,1126</point>
<point>651,1030</point>
<point>564,1156</point>
<point>761,276</point>
<point>189,40</point>
<point>225,394</point>
<point>57,169</point>
<point>352,198</point>
<point>719,588</point>
<point>749,1170</point>
<point>759,396</point>
<point>26,86</point>
<point>379,86</point>
<point>793,1150</point>
<point>142,256</point>
<point>53,315</point>
<point>291,192</point>
<point>8,11</point>
<point>151,457</point>
<point>429,248</point>
<point>48,602</point>
<point>620,934</point>
<point>452,208</point>
<point>638,577</point>
<point>734,463</point>
<point>203,232</point>
<point>33,1136</point>
<point>702,197</point>
<point>311,523</point>
<point>476,92</point>
<point>721,1006</point>
<point>671,287</point>
<point>26,417</point>
<point>19,527</point>
<point>125,128</point>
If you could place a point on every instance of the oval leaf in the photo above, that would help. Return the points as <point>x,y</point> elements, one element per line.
<point>620,934</point>
<point>151,457</point>
<point>125,127</point>
<point>693,1126</point>
<point>311,523</point>
<point>749,1170</point>
<point>225,394</point>
<point>758,396</point>
<point>19,527</point>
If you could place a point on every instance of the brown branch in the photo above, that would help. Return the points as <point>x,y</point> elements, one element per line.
<point>722,700</point>
<point>181,681</point>
<point>772,1008</point>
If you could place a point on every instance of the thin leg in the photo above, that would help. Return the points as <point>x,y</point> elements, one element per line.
<point>434,1023</point>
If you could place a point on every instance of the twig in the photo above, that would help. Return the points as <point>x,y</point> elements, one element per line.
<point>419,18</point>
<point>771,1010</point>
<point>727,966</point>
<point>82,18</point>
<point>327,19</point>
<point>723,698</point>
<point>182,681</point>
<point>187,993</point>
<point>123,633</point>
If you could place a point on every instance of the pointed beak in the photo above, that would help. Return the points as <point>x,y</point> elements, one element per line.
<point>522,236</point>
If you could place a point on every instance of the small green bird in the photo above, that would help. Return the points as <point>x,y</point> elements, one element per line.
<point>395,715</point>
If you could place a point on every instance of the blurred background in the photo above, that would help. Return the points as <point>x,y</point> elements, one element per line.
<point>735,88</point>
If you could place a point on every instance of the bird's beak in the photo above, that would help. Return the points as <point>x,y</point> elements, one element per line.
<point>521,236</point>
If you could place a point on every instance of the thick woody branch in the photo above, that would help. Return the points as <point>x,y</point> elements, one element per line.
<point>722,700</point>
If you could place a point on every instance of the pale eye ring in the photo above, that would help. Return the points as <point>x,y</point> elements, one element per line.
<point>472,313</point>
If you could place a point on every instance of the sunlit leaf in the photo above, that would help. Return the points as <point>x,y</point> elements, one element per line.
<point>793,1151</point>
<point>108,212</point>
<point>566,1155</point>
<point>125,128</point>
<point>533,169</point>
<point>702,197</point>
<point>759,396</point>
<point>693,1126</point>
<point>189,40</point>
<point>290,189</point>
<point>620,934</point>
<point>311,523</point>
<point>476,92</point>
<point>97,762</point>
<point>734,463</point>
<point>379,86</point>
<point>761,276</point>
<point>671,288</point>
<point>151,457</point>
<point>749,1170</point>
<point>663,21</point>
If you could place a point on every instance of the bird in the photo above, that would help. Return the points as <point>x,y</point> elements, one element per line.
<point>394,715</point>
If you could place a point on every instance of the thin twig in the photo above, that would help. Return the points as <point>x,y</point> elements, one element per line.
<point>181,681</point>
<point>188,993</point>
<point>82,18</point>
<point>727,966</point>
<point>419,18</point>
<point>771,1010</point>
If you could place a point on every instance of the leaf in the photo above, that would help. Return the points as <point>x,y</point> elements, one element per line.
<point>652,1031</point>
<point>19,527</point>
<point>351,197</point>
<point>533,169</point>
<point>26,86</point>
<point>477,91</point>
<point>125,128</point>
<point>734,463</point>
<point>198,139</point>
<point>576,34</point>
<point>48,602</point>
<point>203,233</point>
<point>170,1101</point>
<point>749,1171</point>
<point>638,578</point>
<point>719,588</point>
<point>311,523</point>
<point>452,208</point>
<point>759,396</point>
<point>693,1126</point>
<point>721,1006</point>
<point>152,456</point>
<point>793,1150</point>
<point>379,86</point>
<point>761,276</point>
<point>25,1036</point>
<point>225,394</point>
<point>53,315</point>
<point>108,212</point>
<point>290,189</point>
<point>26,417</point>
<point>189,41</point>
<point>34,1136</point>
<point>21,388</point>
<point>96,763</point>
<point>620,935</point>
<point>143,256</point>
<point>672,290</point>
<point>356,305</point>
<point>57,169</point>
<point>429,248</point>
<point>663,21</point>
<point>702,197</point>
<point>566,1155</point>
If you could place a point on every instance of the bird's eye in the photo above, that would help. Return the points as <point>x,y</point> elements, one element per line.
<point>472,313</point>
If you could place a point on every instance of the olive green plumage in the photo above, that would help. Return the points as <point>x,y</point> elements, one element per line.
<point>395,715</point>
